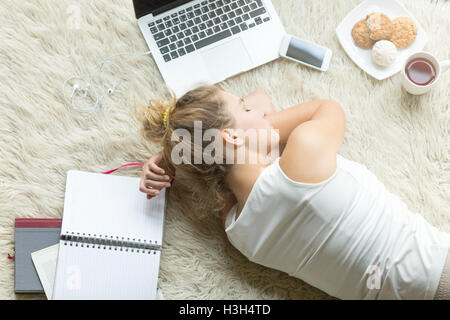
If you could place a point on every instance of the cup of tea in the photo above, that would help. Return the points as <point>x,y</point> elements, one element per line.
<point>421,72</point>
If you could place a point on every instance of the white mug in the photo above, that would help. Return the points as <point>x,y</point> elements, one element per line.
<point>439,67</point>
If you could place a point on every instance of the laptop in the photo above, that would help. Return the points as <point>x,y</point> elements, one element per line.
<point>207,41</point>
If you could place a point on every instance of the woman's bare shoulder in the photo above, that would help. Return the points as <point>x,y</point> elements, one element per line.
<point>307,157</point>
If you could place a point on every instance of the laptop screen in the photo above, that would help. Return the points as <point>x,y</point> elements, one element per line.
<point>144,7</point>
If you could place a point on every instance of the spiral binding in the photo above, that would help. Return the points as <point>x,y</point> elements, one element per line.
<point>106,242</point>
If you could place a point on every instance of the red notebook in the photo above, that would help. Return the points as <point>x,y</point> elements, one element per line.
<point>38,223</point>
<point>32,235</point>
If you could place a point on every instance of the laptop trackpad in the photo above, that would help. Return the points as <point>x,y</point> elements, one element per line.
<point>227,59</point>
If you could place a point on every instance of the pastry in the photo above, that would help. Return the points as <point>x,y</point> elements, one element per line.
<point>360,34</point>
<point>405,32</point>
<point>380,26</point>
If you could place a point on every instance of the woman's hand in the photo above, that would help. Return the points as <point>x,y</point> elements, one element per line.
<point>153,178</point>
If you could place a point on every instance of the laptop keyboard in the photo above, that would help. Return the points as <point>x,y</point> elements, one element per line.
<point>205,23</point>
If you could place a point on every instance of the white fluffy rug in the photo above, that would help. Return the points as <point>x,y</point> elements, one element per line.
<point>404,140</point>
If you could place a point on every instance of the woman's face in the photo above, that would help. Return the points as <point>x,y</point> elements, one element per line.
<point>249,118</point>
<point>246,117</point>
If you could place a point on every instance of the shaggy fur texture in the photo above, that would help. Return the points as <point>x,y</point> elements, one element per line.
<point>404,140</point>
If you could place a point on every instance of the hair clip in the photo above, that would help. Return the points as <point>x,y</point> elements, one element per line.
<point>165,115</point>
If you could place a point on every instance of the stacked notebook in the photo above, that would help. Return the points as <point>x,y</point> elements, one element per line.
<point>109,243</point>
<point>32,235</point>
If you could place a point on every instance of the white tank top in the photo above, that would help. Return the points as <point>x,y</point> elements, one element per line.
<point>347,236</point>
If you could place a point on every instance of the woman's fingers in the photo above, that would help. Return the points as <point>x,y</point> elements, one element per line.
<point>152,163</point>
<point>155,184</point>
<point>152,187</point>
<point>153,172</point>
<point>147,190</point>
<point>150,192</point>
<point>149,175</point>
<point>153,177</point>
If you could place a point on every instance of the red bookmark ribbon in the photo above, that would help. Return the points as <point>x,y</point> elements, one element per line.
<point>130,165</point>
<point>125,165</point>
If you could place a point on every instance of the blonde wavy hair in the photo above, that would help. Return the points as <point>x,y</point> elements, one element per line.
<point>201,188</point>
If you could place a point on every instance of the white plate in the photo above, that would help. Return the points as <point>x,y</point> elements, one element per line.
<point>362,57</point>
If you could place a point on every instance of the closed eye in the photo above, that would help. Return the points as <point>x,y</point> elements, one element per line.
<point>244,106</point>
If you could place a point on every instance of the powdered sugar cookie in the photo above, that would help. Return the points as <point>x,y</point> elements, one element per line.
<point>405,32</point>
<point>360,34</point>
<point>380,26</point>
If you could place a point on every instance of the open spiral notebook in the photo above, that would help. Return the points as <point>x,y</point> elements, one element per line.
<point>111,239</point>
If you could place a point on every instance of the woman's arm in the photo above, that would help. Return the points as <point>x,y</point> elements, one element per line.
<point>310,153</point>
<point>287,120</point>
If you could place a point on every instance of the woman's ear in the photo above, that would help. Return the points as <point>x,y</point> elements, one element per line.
<point>233,137</point>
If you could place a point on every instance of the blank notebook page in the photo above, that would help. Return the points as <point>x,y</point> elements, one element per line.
<point>114,275</point>
<point>99,205</point>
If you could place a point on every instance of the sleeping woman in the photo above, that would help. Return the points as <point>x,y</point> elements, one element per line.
<point>309,211</point>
